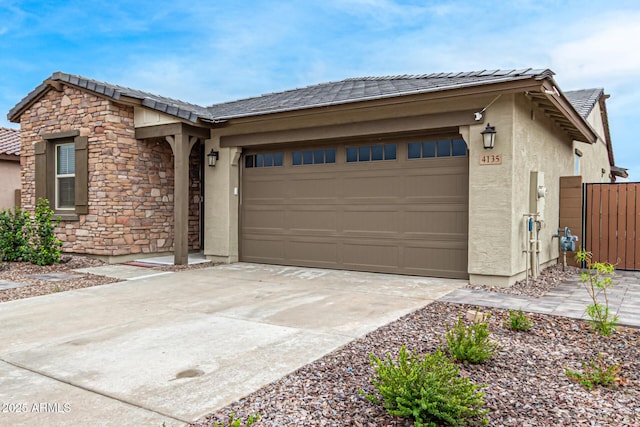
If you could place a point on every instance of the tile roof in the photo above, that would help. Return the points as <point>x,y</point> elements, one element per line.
<point>9,141</point>
<point>174,107</point>
<point>324,94</point>
<point>366,88</point>
<point>584,100</point>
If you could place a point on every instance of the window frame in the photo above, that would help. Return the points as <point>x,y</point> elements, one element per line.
<point>577,156</point>
<point>431,147</point>
<point>45,152</point>
<point>58,176</point>
<point>367,150</point>
<point>313,156</point>
<point>260,160</point>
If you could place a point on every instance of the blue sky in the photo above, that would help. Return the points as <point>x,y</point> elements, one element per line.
<point>212,51</point>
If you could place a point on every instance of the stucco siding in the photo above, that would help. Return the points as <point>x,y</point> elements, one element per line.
<point>490,195</point>
<point>10,179</point>
<point>541,147</point>
<point>222,195</point>
<point>499,196</point>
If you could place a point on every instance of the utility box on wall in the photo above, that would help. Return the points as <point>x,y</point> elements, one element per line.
<point>537,194</point>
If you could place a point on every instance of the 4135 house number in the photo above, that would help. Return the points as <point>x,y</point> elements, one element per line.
<point>491,159</point>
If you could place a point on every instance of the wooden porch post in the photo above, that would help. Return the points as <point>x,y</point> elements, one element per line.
<point>181,145</point>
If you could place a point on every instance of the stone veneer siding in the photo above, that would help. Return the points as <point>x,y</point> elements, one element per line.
<point>130,182</point>
<point>195,195</point>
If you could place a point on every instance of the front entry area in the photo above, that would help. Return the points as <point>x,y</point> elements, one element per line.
<point>379,205</point>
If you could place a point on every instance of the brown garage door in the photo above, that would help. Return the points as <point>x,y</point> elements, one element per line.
<point>392,207</point>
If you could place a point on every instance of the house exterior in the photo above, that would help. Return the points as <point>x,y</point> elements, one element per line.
<point>9,168</point>
<point>376,174</point>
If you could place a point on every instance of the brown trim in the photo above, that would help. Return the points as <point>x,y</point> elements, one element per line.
<point>61,135</point>
<point>40,149</point>
<point>10,157</point>
<point>45,171</point>
<point>386,126</point>
<point>57,85</point>
<point>82,175</point>
<point>562,112</point>
<point>148,132</point>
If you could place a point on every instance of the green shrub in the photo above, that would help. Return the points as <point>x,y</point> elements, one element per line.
<point>237,422</point>
<point>470,343</point>
<point>597,280</point>
<point>596,372</point>
<point>14,234</point>
<point>518,321</point>
<point>45,247</point>
<point>428,389</point>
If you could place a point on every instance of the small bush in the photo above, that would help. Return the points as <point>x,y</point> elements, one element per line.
<point>45,247</point>
<point>237,422</point>
<point>597,279</point>
<point>470,343</point>
<point>428,389</point>
<point>14,234</point>
<point>597,372</point>
<point>518,321</point>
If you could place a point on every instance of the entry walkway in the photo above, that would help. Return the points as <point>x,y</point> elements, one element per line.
<point>569,299</point>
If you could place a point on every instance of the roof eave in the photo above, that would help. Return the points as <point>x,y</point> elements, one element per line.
<point>58,78</point>
<point>14,114</point>
<point>556,105</point>
<point>607,133</point>
<point>618,171</point>
<point>10,157</point>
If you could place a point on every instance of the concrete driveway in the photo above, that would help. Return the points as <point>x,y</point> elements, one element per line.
<point>171,348</point>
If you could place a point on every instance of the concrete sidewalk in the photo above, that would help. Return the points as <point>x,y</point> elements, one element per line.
<point>569,299</point>
<point>171,348</point>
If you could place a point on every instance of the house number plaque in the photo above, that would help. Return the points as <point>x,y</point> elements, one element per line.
<point>491,159</point>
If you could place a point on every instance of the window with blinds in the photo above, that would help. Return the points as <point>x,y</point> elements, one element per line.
<point>65,176</point>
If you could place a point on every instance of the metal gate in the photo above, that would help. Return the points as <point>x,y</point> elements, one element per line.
<point>611,217</point>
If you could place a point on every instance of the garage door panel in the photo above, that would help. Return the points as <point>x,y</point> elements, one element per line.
<point>443,222</point>
<point>320,220</point>
<point>439,186</point>
<point>264,250</point>
<point>369,256</point>
<point>306,251</point>
<point>376,187</point>
<point>308,188</point>
<point>372,220</point>
<point>263,190</point>
<point>398,216</point>
<point>441,260</point>
<point>268,219</point>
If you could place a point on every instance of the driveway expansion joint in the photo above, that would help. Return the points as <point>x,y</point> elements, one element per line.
<point>90,390</point>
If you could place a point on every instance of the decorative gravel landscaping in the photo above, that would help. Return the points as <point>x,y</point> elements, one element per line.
<point>30,280</point>
<point>525,382</point>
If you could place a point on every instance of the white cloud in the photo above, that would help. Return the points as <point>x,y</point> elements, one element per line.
<point>608,52</point>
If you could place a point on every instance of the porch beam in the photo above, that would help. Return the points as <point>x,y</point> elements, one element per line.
<point>160,131</point>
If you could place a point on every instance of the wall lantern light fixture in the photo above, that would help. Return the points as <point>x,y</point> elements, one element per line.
<point>213,156</point>
<point>488,136</point>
